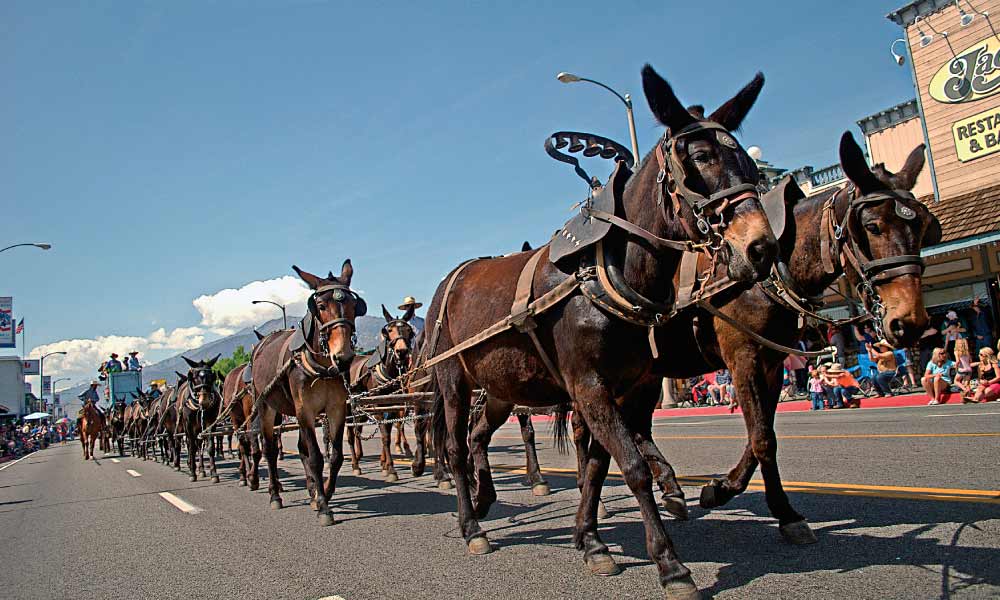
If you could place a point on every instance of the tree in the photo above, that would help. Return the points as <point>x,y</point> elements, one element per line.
<point>224,365</point>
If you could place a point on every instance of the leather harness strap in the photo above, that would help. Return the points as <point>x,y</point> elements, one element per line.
<point>715,312</point>
<point>521,314</point>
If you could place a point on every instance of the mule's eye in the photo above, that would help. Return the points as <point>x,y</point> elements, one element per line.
<point>872,228</point>
<point>700,156</point>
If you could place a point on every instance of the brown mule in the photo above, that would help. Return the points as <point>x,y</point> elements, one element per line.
<point>91,427</point>
<point>391,359</point>
<point>198,406</point>
<point>588,354</point>
<point>301,373</point>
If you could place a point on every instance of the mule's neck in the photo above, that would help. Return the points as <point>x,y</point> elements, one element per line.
<point>806,265</point>
<point>650,272</point>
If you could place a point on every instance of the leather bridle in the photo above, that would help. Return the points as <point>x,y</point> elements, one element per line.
<point>339,293</point>
<point>406,333</point>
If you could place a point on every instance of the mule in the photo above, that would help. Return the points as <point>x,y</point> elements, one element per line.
<point>301,373</point>
<point>199,404</point>
<point>590,348</point>
<point>115,428</point>
<point>236,392</point>
<point>391,359</point>
<point>91,428</point>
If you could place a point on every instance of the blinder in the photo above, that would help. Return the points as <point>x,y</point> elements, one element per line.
<point>338,293</point>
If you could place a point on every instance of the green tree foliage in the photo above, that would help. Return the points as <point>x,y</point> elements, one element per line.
<point>225,365</point>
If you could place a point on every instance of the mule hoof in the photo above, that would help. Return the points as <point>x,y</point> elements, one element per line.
<point>276,504</point>
<point>798,533</point>
<point>444,484</point>
<point>192,478</point>
<point>603,565</point>
<point>326,519</point>
<point>479,546</point>
<point>681,589</point>
<point>254,487</point>
<point>676,506</point>
<point>215,479</point>
<point>408,453</point>
<point>540,489</point>
<point>313,504</point>
<point>243,482</point>
<point>417,472</point>
<point>356,472</point>
<point>709,498</point>
<point>391,478</point>
<point>602,511</point>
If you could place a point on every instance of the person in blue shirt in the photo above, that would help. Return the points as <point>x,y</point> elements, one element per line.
<point>154,391</point>
<point>133,361</point>
<point>113,365</point>
<point>937,376</point>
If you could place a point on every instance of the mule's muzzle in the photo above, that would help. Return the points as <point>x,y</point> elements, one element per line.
<point>754,263</point>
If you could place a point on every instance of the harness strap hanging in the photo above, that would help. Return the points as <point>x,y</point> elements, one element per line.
<point>660,243</point>
<point>688,278</point>
<point>715,312</point>
<point>431,346</point>
<point>521,313</point>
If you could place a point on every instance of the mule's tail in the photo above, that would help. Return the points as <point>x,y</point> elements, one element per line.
<point>439,424</point>
<point>560,427</point>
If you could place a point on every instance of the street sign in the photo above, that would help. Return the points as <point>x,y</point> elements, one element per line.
<point>7,336</point>
<point>46,385</point>
<point>30,366</point>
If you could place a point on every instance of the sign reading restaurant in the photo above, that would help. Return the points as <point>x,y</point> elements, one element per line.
<point>973,74</point>
<point>977,135</point>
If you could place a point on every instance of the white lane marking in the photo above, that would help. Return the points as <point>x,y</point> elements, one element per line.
<point>12,463</point>
<point>331,598</point>
<point>133,473</point>
<point>964,414</point>
<point>688,423</point>
<point>179,504</point>
<point>115,460</point>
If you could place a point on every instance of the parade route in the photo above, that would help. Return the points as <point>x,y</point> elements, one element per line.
<point>904,506</point>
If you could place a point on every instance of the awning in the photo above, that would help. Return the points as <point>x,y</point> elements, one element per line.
<point>37,415</point>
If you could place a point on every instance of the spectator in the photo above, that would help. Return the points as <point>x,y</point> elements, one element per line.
<point>981,326</point>
<point>989,377</point>
<point>796,366</point>
<point>937,376</point>
<point>885,361</point>
<point>133,361</point>
<point>816,392</point>
<point>953,329</point>
<point>113,365</point>
<point>963,366</point>
<point>845,387</point>
<point>699,391</point>
<point>865,336</point>
<point>724,383</point>
<point>835,338</point>
<point>154,391</point>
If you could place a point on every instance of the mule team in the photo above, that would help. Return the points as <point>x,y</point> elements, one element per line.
<point>674,270</point>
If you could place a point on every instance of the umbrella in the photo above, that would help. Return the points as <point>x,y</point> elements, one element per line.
<point>36,416</point>
<point>63,420</point>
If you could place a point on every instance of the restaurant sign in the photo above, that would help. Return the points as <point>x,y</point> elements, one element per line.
<point>978,135</point>
<point>973,74</point>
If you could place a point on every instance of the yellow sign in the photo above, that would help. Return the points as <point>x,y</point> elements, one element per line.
<point>977,135</point>
<point>972,75</point>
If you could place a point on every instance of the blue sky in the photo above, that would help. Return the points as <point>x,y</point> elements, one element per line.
<point>172,150</point>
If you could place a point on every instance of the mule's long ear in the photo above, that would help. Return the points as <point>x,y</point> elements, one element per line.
<point>410,311</point>
<point>731,114</point>
<point>311,280</point>
<point>385,313</point>
<point>259,335</point>
<point>906,177</point>
<point>211,363</point>
<point>932,234</point>
<point>525,246</point>
<point>852,160</point>
<point>191,363</point>
<point>667,109</point>
<point>346,272</point>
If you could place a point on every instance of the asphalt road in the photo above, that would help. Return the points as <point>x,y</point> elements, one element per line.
<point>905,502</point>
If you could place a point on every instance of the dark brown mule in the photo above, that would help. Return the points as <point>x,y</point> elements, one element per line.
<point>301,373</point>
<point>115,427</point>
<point>166,425</point>
<point>236,392</point>
<point>136,418</point>
<point>91,426</point>
<point>199,404</point>
<point>887,226</point>
<point>391,359</point>
<point>596,356</point>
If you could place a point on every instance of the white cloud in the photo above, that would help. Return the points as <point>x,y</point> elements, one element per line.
<point>231,309</point>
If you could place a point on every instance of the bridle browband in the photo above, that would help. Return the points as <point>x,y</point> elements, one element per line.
<point>340,293</point>
<point>406,333</point>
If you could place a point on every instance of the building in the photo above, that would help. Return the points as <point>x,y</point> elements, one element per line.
<point>12,389</point>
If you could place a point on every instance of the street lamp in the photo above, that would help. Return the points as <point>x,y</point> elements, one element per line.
<point>565,77</point>
<point>41,245</point>
<point>284,317</point>
<point>899,58</point>
<point>41,375</point>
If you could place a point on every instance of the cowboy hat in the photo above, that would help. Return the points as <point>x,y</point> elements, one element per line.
<point>834,369</point>
<point>94,382</point>
<point>884,343</point>
<point>410,301</point>
<point>114,355</point>
<point>133,353</point>
<point>951,314</point>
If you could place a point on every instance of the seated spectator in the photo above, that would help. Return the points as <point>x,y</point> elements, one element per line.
<point>724,383</point>
<point>699,391</point>
<point>885,362</point>
<point>845,387</point>
<point>963,366</point>
<point>989,377</point>
<point>937,376</point>
<point>816,391</point>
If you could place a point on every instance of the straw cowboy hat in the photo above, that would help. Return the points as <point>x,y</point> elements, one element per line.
<point>884,343</point>
<point>94,382</point>
<point>133,353</point>
<point>835,369</point>
<point>410,301</point>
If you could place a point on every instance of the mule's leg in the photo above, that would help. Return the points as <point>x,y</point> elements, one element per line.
<point>538,485</point>
<point>314,466</point>
<point>419,462</point>
<point>354,442</point>
<point>592,464</point>
<point>495,413</point>
<point>216,447</point>
<point>581,440</point>
<point>388,465</point>
<point>333,430</point>
<point>642,402</point>
<point>193,447</point>
<point>271,453</point>
<point>253,461</point>
<point>83,442</point>
<point>243,445</point>
<point>304,457</point>
<point>720,491</point>
<point>401,436</point>
<point>611,432</point>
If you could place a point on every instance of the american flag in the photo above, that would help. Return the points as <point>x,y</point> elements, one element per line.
<point>20,327</point>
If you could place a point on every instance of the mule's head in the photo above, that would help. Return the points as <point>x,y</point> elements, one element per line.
<point>892,228</point>
<point>334,307</point>
<point>201,379</point>
<point>717,180</point>
<point>396,338</point>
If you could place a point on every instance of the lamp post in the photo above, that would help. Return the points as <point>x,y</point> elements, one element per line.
<point>41,376</point>
<point>41,245</point>
<point>284,316</point>
<point>565,77</point>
